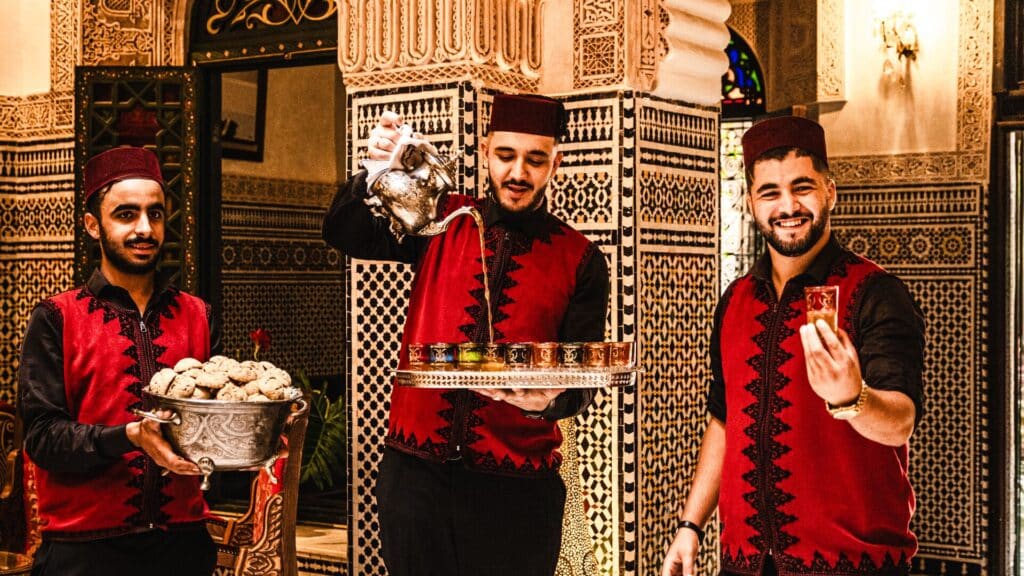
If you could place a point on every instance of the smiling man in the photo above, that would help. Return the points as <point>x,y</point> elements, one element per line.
<point>468,483</point>
<point>113,496</point>
<point>806,448</point>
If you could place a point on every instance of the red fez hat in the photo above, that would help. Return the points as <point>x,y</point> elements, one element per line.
<point>783,132</point>
<point>528,114</point>
<point>119,164</point>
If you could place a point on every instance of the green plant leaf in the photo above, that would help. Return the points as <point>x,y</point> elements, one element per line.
<point>324,446</point>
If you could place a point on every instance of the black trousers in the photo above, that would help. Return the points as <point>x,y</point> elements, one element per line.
<point>446,520</point>
<point>155,553</point>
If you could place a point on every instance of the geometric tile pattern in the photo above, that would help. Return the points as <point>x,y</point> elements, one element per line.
<point>678,278</point>
<point>36,236</point>
<point>935,238</point>
<point>25,280</point>
<point>277,274</point>
<point>590,191</point>
<point>377,307</point>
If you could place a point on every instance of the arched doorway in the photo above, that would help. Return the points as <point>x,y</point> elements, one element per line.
<point>742,101</point>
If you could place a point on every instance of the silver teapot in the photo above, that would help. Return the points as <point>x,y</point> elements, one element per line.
<point>411,186</point>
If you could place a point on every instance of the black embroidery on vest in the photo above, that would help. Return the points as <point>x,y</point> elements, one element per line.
<point>505,244</point>
<point>764,450</point>
<point>844,566</point>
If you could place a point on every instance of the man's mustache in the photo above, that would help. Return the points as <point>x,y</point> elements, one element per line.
<point>514,182</point>
<point>141,243</point>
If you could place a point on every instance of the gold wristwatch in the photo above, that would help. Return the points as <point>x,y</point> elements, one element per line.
<point>847,411</point>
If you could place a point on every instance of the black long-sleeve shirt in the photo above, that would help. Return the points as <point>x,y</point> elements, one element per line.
<point>53,438</point>
<point>350,226</point>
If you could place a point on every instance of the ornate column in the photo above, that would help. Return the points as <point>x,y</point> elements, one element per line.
<point>806,53</point>
<point>641,82</point>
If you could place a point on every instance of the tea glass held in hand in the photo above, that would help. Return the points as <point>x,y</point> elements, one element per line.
<point>823,303</point>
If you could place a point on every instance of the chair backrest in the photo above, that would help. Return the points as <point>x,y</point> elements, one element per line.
<point>12,503</point>
<point>262,541</point>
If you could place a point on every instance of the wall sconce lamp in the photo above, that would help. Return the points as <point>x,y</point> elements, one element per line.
<point>899,35</point>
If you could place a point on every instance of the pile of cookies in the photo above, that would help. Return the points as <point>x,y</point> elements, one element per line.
<point>223,378</point>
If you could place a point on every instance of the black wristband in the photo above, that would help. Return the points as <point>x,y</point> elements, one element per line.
<point>695,528</point>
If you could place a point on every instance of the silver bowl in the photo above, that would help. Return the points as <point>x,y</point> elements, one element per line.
<point>223,435</point>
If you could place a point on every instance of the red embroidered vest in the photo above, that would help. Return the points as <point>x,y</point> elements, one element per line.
<point>107,358</point>
<point>799,484</point>
<point>532,281</point>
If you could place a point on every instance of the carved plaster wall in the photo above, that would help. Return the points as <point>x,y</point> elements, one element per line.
<point>394,42</point>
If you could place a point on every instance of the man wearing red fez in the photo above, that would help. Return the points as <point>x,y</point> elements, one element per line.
<point>114,499</point>
<point>468,483</point>
<point>806,448</point>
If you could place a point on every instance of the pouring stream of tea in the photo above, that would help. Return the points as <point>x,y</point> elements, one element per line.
<point>483,265</point>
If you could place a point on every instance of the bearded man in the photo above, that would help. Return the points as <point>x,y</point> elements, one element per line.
<point>806,448</point>
<point>468,483</point>
<point>113,496</point>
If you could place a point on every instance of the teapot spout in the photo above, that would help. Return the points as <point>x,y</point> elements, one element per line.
<point>435,228</point>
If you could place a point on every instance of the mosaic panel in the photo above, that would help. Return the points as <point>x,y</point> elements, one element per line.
<point>305,311</point>
<point>377,307</point>
<point>38,217</point>
<point>36,161</point>
<point>584,191</point>
<point>679,292</point>
<point>576,557</point>
<point>935,238</point>
<point>278,274</point>
<point>239,189</point>
<point>25,280</point>
<point>678,279</point>
<point>317,566</point>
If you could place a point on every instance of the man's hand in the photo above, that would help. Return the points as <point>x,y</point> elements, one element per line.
<point>682,555</point>
<point>384,136</point>
<point>531,399</point>
<point>146,435</point>
<point>833,369</point>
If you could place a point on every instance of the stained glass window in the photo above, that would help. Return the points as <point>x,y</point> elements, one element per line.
<point>743,83</point>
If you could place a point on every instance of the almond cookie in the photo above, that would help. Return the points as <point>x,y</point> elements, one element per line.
<point>242,374</point>
<point>187,363</point>
<point>182,387</point>
<point>232,393</point>
<point>212,380</point>
<point>161,381</point>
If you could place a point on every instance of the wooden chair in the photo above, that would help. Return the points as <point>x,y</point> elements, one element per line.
<point>261,542</point>
<point>19,518</point>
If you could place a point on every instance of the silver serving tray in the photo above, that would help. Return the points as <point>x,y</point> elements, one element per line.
<point>526,378</point>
